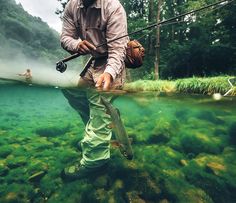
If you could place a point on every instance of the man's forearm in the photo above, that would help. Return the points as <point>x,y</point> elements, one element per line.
<point>116,27</point>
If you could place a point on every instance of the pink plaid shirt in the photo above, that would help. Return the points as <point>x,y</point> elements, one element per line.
<point>104,20</point>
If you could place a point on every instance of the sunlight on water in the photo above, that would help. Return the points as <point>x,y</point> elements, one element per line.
<point>184,149</point>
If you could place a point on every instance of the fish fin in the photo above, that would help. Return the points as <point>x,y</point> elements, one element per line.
<point>118,111</point>
<point>111,125</point>
<point>107,112</point>
<point>115,143</point>
<point>131,140</point>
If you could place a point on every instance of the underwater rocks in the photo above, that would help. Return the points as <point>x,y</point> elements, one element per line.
<point>183,162</point>
<point>3,169</point>
<point>149,190</point>
<point>12,115</point>
<point>197,143</point>
<point>211,117</point>
<point>163,131</point>
<point>214,186</point>
<point>134,197</point>
<point>37,176</point>
<point>35,165</point>
<point>15,162</point>
<point>214,174</point>
<point>15,197</point>
<point>102,181</point>
<point>232,133</point>
<point>5,151</point>
<point>11,197</point>
<point>177,189</point>
<point>52,131</point>
<point>182,114</point>
<point>215,168</point>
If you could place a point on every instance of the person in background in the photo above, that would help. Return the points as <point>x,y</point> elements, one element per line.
<point>87,23</point>
<point>28,76</point>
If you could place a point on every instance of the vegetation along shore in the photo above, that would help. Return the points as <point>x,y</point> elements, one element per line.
<point>195,85</point>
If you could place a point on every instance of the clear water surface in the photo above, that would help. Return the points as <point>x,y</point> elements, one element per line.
<point>184,149</point>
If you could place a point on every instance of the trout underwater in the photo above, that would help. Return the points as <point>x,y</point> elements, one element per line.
<point>119,130</point>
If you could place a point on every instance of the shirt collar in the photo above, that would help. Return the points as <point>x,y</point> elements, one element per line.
<point>96,4</point>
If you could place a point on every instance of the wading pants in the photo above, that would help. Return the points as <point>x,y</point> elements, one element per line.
<point>96,141</point>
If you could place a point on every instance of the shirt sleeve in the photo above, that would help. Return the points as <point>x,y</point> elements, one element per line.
<point>116,27</point>
<point>69,37</point>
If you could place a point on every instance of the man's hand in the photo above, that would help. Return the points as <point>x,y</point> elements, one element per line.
<point>104,81</point>
<point>84,47</point>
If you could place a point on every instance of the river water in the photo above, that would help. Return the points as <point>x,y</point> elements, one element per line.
<point>184,149</point>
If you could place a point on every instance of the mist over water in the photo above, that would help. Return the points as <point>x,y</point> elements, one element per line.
<point>42,73</point>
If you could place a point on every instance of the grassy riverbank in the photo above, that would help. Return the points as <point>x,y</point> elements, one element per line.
<point>193,85</point>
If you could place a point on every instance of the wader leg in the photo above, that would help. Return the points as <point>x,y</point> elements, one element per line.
<point>96,142</point>
<point>79,101</point>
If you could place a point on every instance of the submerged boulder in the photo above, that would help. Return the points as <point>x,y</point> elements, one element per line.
<point>182,114</point>
<point>201,143</point>
<point>36,177</point>
<point>163,131</point>
<point>14,197</point>
<point>133,196</point>
<point>52,131</point>
<point>215,168</point>
<point>5,151</point>
<point>178,189</point>
<point>213,185</point>
<point>102,181</point>
<point>214,174</point>
<point>232,133</point>
<point>14,162</point>
<point>211,117</point>
<point>3,169</point>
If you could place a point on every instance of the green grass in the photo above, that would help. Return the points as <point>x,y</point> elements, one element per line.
<point>193,85</point>
<point>150,85</point>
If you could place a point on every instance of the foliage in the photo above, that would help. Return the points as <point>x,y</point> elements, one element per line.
<point>22,33</point>
<point>149,85</point>
<point>192,85</point>
<point>202,44</point>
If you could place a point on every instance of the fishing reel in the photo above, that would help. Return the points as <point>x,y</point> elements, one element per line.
<point>61,66</point>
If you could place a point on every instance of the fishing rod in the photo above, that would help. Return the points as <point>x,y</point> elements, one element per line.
<point>61,65</point>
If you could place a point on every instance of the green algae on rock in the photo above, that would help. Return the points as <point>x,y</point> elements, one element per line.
<point>52,131</point>
<point>3,169</point>
<point>5,151</point>
<point>14,162</point>
<point>200,143</point>
<point>182,152</point>
<point>36,177</point>
<point>232,133</point>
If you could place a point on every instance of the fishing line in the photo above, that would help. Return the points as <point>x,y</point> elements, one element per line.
<point>163,22</point>
<point>171,23</point>
<point>62,62</point>
<point>217,6</point>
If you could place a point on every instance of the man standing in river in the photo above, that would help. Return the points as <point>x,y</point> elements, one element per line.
<point>28,76</point>
<point>87,23</point>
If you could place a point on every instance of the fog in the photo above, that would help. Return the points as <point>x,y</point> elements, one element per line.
<point>43,73</point>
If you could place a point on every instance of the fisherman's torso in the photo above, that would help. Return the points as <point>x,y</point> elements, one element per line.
<point>91,23</point>
<point>104,21</point>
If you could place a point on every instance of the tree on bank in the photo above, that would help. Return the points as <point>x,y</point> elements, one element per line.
<point>199,45</point>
